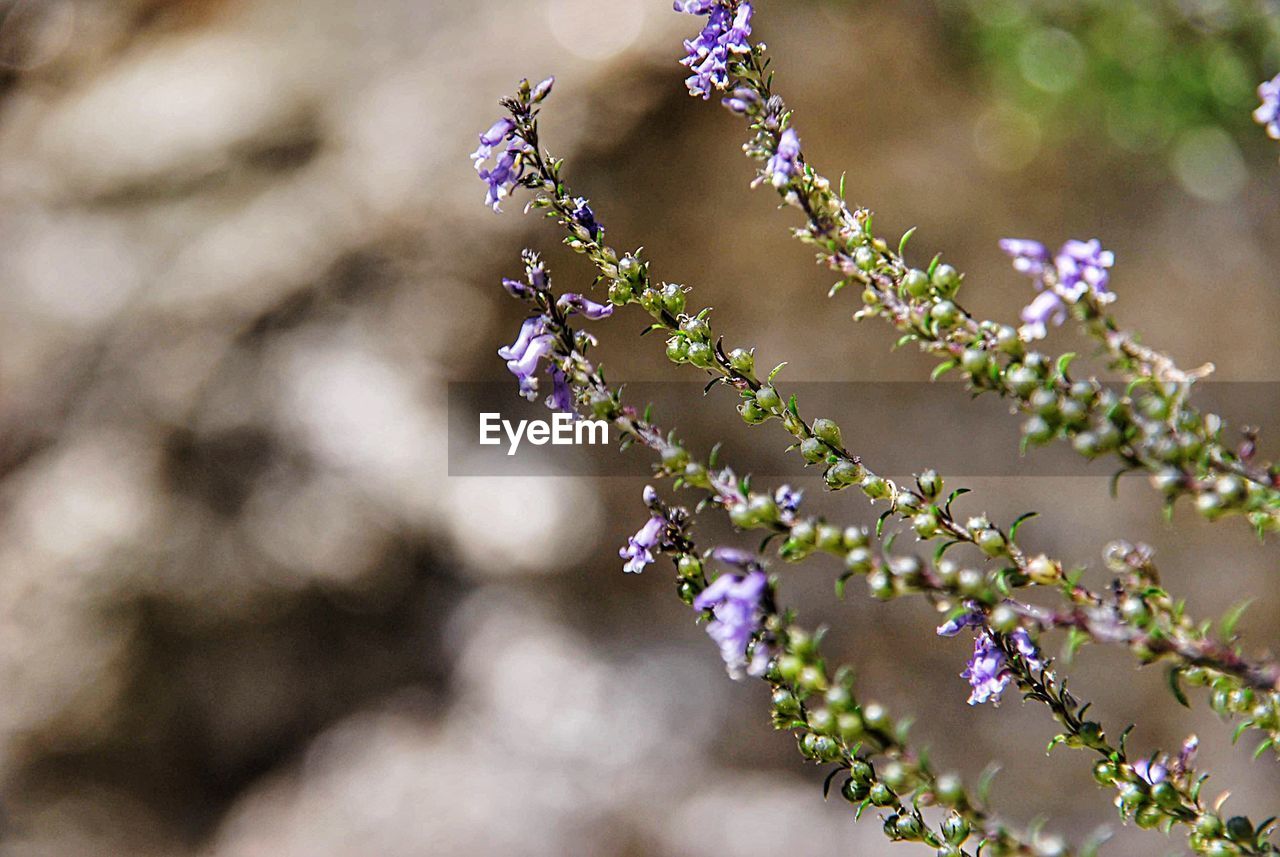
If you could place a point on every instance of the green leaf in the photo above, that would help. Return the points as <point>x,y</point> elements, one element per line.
<point>1064,362</point>
<point>793,406</point>
<point>942,369</point>
<point>933,266</point>
<point>1025,516</point>
<point>776,370</point>
<point>831,292</point>
<point>1240,729</point>
<point>880,522</point>
<point>985,779</point>
<point>959,492</point>
<point>1263,747</point>
<point>1174,677</point>
<point>826,785</point>
<point>1232,619</point>
<point>904,339</point>
<point>937,555</point>
<point>841,582</point>
<point>906,236</point>
<point>714,457</point>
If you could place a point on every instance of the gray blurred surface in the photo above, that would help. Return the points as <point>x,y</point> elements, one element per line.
<point>243,609</point>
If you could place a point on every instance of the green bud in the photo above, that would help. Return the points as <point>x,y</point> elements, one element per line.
<point>1134,610</point>
<point>620,292</point>
<point>861,771</point>
<point>1210,505</point>
<point>678,349</point>
<point>1230,488</point>
<point>742,361</point>
<point>804,531</point>
<point>1239,829</point>
<point>930,484</point>
<point>908,827</point>
<point>944,313</point>
<point>1038,430</point>
<point>752,414</point>
<point>838,698</point>
<point>865,258</point>
<point>875,716</point>
<point>1073,413</point>
<point>813,450</point>
<point>858,560</point>
<point>855,537</point>
<point>1008,341</point>
<point>822,720</point>
<point>880,584</point>
<point>854,791</point>
<point>674,458</point>
<point>1209,825</point>
<point>829,537</point>
<point>946,279</point>
<point>875,487</point>
<point>696,327</point>
<point>850,727</point>
<point>689,566</point>
<point>1021,380</point>
<point>1221,848</point>
<point>955,829</point>
<point>701,355</point>
<point>895,775</point>
<point>881,795</point>
<point>1148,817</point>
<point>1004,619</point>
<point>842,474</point>
<point>789,667</point>
<point>990,541</point>
<point>827,430</point>
<point>925,524</point>
<point>1165,795</point>
<point>908,502</point>
<point>949,790</point>
<point>1104,772</point>
<point>916,283</point>
<point>763,507</point>
<point>975,361</point>
<point>767,398</point>
<point>741,516</point>
<point>1043,570</point>
<point>673,298</point>
<point>1087,444</point>
<point>971,582</point>
<point>1131,796</point>
<point>812,679</point>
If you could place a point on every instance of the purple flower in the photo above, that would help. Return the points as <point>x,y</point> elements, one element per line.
<point>515,288</point>
<point>988,671</point>
<point>1029,651</point>
<point>561,397</point>
<point>503,175</point>
<point>1268,113</point>
<point>522,356</point>
<point>542,90</point>
<point>1151,771</point>
<point>1187,755</point>
<point>707,56</point>
<point>1045,308</point>
<point>742,100</point>
<point>639,550</point>
<point>788,499</point>
<point>734,602</point>
<point>1029,257</point>
<point>571,303</point>
<point>784,164</point>
<point>585,217</point>
<point>734,556</point>
<point>969,619</point>
<point>1082,267</point>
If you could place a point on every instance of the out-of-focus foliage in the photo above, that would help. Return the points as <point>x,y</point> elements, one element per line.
<point>1165,76</point>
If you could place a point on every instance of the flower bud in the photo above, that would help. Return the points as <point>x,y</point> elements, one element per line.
<point>946,279</point>
<point>865,258</point>
<point>881,795</point>
<point>742,361</point>
<point>752,414</point>
<point>854,791</point>
<point>813,450</point>
<point>974,361</point>
<point>1004,619</point>
<point>827,430</point>
<point>701,355</point>
<point>955,829</point>
<point>1038,430</point>
<point>1043,570</point>
<point>944,313</point>
<point>829,537</point>
<point>1021,380</point>
<point>856,537</point>
<point>990,541</point>
<point>767,398</point>
<point>858,560</point>
<point>842,474</point>
<point>678,349</point>
<point>930,484</point>
<point>875,487</point>
<point>916,283</point>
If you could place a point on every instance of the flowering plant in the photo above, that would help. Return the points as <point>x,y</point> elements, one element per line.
<point>1150,426</point>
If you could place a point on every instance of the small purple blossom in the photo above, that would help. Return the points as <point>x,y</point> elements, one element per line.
<point>968,619</point>
<point>1151,771</point>
<point>571,303</point>
<point>503,175</point>
<point>784,164</point>
<point>542,90</point>
<point>1047,307</point>
<point>734,602</point>
<point>742,101</point>
<point>1029,257</point>
<point>1082,267</point>
<point>639,550</point>
<point>788,499</point>
<point>734,556</point>
<point>585,217</point>
<point>725,33</point>
<point>1268,113</point>
<point>988,671</point>
<point>561,396</point>
<point>524,354</point>
<point>1027,648</point>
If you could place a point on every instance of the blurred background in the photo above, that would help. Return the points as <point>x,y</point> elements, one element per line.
<point>245,611</point>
